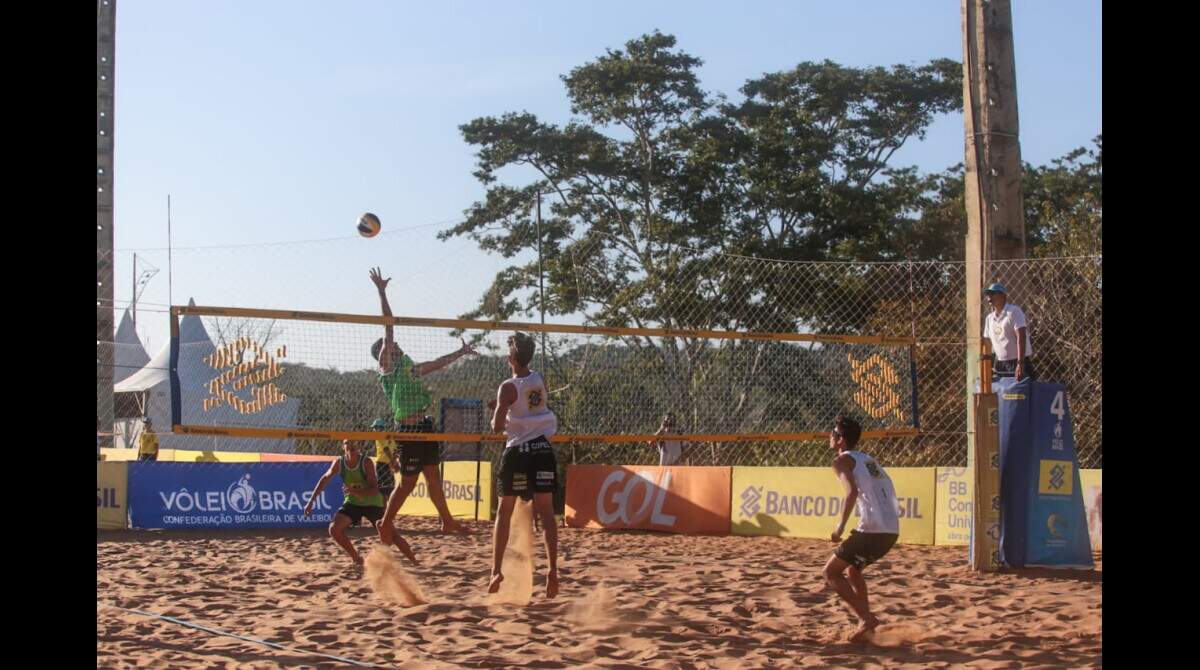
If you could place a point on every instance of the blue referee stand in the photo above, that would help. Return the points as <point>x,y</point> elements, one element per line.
<point>1043,522</point>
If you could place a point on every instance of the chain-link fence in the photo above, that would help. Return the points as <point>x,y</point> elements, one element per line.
<point>595,282</point>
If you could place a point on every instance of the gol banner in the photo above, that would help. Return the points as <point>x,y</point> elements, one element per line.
<point>691,500</point>
<point>112,489</point>
<point>807,502</point>
<point>294,458</point>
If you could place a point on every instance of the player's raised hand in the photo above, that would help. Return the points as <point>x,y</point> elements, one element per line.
<point>377,278</point>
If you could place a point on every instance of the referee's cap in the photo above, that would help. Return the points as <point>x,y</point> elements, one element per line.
<point>996,288</point>
<point>379,424</point>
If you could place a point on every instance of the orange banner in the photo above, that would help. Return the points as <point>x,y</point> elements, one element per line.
<point>691,500</point>
<point>289,458</point>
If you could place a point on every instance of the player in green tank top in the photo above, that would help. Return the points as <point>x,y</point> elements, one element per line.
<point>362,499</point>
<point>408,398</point>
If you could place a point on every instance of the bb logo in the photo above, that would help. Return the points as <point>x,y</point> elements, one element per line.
<point>873,469</point>
<point>877,383</point>
<point>996,503</point>
<point>993,531</point>
<point>751,499</point>
<point>624,505</point>
<point>993,417</point>
<point>241,495</point>
<point>1056,478</point>
<point>995,461</point>
<point>945,473</point>
<point>534,398</point>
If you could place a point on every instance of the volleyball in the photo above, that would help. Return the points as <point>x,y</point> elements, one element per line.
<point>368,225</point>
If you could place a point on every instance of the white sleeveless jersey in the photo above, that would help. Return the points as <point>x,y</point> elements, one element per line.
<point>529,417</point>
<point>878,509</point>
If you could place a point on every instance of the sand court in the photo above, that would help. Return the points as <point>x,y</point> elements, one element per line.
<point>629,599</point>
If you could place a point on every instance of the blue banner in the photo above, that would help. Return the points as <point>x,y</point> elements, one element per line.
<point>1043,521</point>
<point>229,495</point>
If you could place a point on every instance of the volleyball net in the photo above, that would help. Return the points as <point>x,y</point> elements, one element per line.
<point>297,375</point>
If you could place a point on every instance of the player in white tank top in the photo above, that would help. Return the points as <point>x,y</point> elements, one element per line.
<point>527,465</point>
<point>529,417</point>
<point>870,491</point>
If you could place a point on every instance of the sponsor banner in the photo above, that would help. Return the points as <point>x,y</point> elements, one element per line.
<point>189,456</point>
<point>458,484</point>
<point>111,494</point>
<point>807,502</point>
<point>229,495</point>
<point>294,458</point>
<point>1090,481</point>
<point>692,500</point>
<point>955,498</point>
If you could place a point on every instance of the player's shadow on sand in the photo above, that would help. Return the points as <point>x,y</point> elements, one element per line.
<point>767,525</point>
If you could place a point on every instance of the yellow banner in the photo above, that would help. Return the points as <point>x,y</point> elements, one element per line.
<point>118,454</point>
<point>189,456</point>
<point>955,496</point>
<point>1090,482</point>
<point>458,481</point>
<point>807,502</point>
<point>112,486</point>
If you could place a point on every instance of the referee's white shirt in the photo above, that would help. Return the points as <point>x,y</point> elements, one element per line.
<point>1002,330</point>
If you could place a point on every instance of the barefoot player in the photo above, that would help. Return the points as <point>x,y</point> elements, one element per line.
<point>870,490</point>
<point>527,466</point>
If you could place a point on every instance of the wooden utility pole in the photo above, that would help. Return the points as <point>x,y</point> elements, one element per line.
<point>995,213</point>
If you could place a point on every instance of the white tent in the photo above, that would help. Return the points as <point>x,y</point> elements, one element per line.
<point>151,385</point>
<point>129,355</point>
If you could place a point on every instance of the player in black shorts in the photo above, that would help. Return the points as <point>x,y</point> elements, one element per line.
<point>400,379</point>
<point>868,489</point>
<point>528,467</point>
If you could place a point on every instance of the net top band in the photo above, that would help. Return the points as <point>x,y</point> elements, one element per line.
<point>468,324</point>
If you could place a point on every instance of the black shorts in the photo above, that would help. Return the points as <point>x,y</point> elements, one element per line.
<point>414,456</point>
<point>863,549</point>
<point>383,475</point>
<point>356,512</point>
<point>528,468</point>
<point>1009,369</point>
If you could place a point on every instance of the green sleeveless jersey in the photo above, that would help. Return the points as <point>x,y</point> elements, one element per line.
<point>357,476</point>
<point>405,391</point>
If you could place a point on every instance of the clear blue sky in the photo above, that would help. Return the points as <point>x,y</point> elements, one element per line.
<point>274,121</point>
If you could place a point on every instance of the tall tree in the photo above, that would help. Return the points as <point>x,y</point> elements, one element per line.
<point>656,169</point>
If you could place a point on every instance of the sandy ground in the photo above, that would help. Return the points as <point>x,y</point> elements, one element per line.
<point>629,600</point>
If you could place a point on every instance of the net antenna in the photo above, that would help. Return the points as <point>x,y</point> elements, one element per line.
<point>140,280</point>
